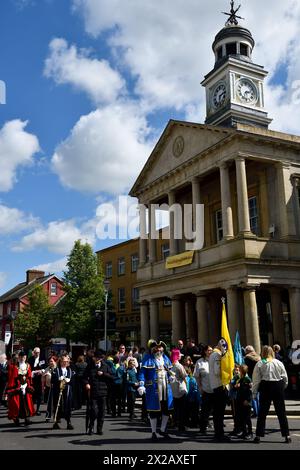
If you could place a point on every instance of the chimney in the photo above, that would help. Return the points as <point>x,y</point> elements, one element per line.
<point>33,274</point>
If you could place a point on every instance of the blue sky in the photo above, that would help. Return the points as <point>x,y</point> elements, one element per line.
<point>90,86</point>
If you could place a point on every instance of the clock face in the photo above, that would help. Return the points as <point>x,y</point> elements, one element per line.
<point>246,91</point>
<point>219,95</point>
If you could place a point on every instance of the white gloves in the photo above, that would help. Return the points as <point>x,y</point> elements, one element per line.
<point>141,390</point>
<point>67,380</point>
<point>61,378</point>
<point>23,388</point>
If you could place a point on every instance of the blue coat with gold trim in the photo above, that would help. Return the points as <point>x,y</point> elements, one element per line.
<point>148,376</point>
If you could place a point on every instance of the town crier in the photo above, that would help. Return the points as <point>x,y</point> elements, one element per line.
<point>20,390</point>
<point>154,379</point>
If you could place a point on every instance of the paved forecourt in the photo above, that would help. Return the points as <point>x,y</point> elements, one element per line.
<point>119,434</point>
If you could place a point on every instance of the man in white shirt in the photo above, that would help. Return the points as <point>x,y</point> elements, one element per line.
<point>219,393</point>
<point>201,374</point>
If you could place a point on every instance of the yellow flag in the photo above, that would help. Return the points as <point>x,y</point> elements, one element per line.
<point>227,361</point>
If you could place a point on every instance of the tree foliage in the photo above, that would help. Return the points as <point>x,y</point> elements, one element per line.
<point>83,284</point>
<point>34,325</point>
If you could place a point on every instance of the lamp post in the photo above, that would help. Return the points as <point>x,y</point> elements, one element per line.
<point>106,289</point>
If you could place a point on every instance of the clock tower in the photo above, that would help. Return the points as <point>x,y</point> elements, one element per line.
<point>235,86</point>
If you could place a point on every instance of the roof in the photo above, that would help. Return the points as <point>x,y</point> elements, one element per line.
<point>227,133</point>
<point>22,289</point>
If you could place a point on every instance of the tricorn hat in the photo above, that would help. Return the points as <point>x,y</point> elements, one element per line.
<point>99,353</point>
<point>22,354</point>
<point>152,344</point>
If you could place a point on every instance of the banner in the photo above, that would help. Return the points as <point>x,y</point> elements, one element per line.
<point>237,349</point>
<point>227,361</point>
<point>183,259</point>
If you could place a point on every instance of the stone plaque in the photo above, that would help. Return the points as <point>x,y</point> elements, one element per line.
<point>178,146</point>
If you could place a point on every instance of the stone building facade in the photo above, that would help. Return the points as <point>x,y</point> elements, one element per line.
<point>248,178</point>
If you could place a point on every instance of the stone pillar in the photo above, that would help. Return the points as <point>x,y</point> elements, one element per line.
<point>226,202</point>
<point>190,320</point>
<point>202,318</point>
<point>178,320</point>
<point>232,312</point>
<point>251,319</point>
<point>152,233</point>
<point>296,187</point>
<point>277,316</point>
<point>154,319</point>
<point>145,324</point>
<point>196,195</point>
<point>285,196</point>
<point>242,196</point>
<point>295,311</point>
<point>143,236</point>
<point>173,241</point>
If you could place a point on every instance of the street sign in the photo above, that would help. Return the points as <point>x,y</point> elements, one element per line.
<point>7,337</point>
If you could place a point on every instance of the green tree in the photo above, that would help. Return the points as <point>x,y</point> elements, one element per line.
<point>83,284</point>
<point>34,325</point>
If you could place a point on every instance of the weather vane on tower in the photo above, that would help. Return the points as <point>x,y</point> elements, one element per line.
<point>233,18</point>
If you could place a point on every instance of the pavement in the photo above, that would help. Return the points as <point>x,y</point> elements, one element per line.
<point>122,435</point>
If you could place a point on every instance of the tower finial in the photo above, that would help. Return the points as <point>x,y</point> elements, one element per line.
<point>233,18</point>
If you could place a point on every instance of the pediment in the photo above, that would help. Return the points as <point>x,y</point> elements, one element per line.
<point>180,142</point>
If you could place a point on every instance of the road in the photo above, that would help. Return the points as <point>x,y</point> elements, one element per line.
<point>119,434</point>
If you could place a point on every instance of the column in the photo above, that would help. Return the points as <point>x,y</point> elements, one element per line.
<point>295,311</point>
<point>285,196</point>
<point>196,195</point>
<point>173,241</point>
<point>143,236</point>
<point>178,323</point>
<point>145,325</point>
<point>152,233</point>
<point>190,319</point>
<point>202,318</point>
<point>154,319</point>
<point>277,316</point>
<point>296,198</point>
<point>251,319</point>
<point>226,202</point>
<point>232,311</point>
<point>242,196</point>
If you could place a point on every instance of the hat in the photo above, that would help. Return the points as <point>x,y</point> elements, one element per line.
<point>22,354</point>
<point>175,355</point>
<point>153,344</point>
<point>99,354</point>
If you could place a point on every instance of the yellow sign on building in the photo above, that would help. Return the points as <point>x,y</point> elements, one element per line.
<point>183,259</point>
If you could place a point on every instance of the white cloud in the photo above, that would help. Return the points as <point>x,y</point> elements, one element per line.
<point>3,277</point>
<point>54,267</point>
<point>68,65</point>
<point>17,148</point>
<point>169,52</point>
<point>56,237</point>
<point>14,221</point>
<point>105,150</point>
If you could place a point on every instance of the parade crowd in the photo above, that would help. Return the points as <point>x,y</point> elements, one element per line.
<point>179,388</point>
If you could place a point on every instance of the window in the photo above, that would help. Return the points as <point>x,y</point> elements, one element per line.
<point>121,297</point>
<point>165,250</point>
<point>244,49</point>
<point>121,266</point>
<point>219,225</point>
<point>53,288</point>
<point>134,263</point>
<point>231,48</point>
<point>135,298</point>
<point>108,270</point>
<point>167,302</point>
<point>253,213</point>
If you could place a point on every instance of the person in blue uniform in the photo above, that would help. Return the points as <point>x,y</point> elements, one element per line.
<point>155,378</point>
